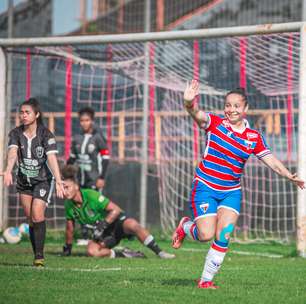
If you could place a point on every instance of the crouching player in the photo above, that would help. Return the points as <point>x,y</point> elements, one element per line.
<point>89,207</point>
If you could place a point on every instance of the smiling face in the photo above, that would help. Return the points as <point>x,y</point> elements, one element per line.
<point>235,108</point>
<point>71,188</point>
<point>27,115</point>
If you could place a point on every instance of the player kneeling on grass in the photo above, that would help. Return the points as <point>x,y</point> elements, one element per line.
<point>216,189</point>
<point>108,220</point>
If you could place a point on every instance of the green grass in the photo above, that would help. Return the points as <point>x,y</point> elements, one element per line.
<point>78,279</point>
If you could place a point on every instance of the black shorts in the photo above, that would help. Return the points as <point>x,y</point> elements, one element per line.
<point>42,190</point>
<point>115,233</point>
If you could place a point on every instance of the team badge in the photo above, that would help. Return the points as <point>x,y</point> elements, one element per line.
<point>39,151</point>
<point>204,207</point>
<point>42,192</point>
<point>91,148</point>
<point>101,198</point>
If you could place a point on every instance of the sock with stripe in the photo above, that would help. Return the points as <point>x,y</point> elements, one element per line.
<point>151,244</point>
<point>190,228</point>
<point>214,259</point>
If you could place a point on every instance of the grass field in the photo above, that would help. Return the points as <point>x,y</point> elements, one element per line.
<point>265,273</point>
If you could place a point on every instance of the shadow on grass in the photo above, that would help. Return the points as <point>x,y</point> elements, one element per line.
<point>74,254</point>
<point>16,265</point>
<point>179,282</point>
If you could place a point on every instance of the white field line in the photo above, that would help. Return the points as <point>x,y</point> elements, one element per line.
<point>250,253</point>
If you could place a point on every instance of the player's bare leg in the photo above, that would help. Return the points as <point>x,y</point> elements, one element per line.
<point>226,220</point>
<point>131,226</point>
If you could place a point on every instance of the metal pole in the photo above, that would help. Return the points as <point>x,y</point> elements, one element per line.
<point>301,201</point>
<point>3,120</point>
<point>5,109</point>
<point>144,150</point>
<point>156,36</point>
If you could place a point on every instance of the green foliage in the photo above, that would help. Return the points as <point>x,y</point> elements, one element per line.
<point>248,275</point>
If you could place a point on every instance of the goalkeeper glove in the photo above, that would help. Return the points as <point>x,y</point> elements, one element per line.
<point>67,250</point>
<point>99,231</point>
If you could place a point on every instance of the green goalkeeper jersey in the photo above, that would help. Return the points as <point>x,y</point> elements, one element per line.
<point>92,209</point>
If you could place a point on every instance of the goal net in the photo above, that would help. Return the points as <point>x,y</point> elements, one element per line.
<point>111,78</point>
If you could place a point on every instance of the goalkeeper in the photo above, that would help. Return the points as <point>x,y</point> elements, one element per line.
<point>109,223</point>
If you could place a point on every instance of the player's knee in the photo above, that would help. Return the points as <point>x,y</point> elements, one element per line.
<point>224,233</point>
<point>205,236</point>
<point>36,218</point>
<point>132,225</point>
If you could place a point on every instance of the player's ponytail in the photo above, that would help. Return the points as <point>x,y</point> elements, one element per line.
<point>34,104</point>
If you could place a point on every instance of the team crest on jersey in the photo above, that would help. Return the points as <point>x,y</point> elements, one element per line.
<point>101,198</point>
<point>248,143</point>
<point>39,151</point>
<point>91,148</point>
<point>204,207</point>
<point>42,192</point>
<point>226,123</point>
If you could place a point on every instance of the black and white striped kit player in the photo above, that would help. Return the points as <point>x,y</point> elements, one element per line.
<point>89,151</point>
<point>34,177</point>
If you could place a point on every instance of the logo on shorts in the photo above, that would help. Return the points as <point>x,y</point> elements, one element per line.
<point>204,207</point>
<point>42,192</point>
<point>39,151</point>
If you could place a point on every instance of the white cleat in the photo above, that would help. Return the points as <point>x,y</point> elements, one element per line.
<point>166,255</point>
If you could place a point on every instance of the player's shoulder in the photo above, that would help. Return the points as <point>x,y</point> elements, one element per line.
<point>44,131</point>
<point>16,131</point>
<point>68,204</point>
<point>90,193</point>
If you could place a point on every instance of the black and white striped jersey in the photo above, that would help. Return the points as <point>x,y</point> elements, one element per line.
<point>32,154</point>
<point>89,151</point>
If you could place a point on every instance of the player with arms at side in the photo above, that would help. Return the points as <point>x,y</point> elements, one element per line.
<point>216,191</point>
<point>89,207</point>
<point>90,153</point>
<point>34,147</point>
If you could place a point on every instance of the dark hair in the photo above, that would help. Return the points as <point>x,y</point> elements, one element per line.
<point>34,104</point>
<point>69,172</point>
<point>239,91</point>
<point>87,111</point>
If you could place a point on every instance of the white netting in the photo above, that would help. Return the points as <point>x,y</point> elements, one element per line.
<point>111,79</point>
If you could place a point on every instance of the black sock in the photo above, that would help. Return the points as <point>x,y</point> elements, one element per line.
<point>154,247</point>
<point>119,254</point>
<point>31,232</point>
<point>39,238</point>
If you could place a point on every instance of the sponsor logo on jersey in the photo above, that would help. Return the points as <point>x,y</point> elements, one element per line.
<point>90,213</point>
<point>42,192</point>
<point>204,207</point>
<point>51,141</point>
<point>34,162</point>
<point>39,151</point>
<point>251,135</point>
<point>91,148</point>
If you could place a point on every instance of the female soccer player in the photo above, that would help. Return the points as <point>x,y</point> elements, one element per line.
<point>89,151</point>
<point>90,207</point>
<point>34,146</point>
<point>216,191</point>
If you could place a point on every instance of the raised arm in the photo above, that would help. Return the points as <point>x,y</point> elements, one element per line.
<point>11,160</point>
<point>191,92</point>
<point>277,166</point>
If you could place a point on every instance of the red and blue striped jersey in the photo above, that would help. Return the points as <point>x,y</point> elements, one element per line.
<point>226,153</point>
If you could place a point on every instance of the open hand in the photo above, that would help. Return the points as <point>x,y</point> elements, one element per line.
<point>191,91</point>
<point>296,180</point>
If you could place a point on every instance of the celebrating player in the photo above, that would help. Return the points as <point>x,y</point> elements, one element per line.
<point>89,151</point>
<point>34,146</point>
<point>216,190</point>
<point>90,207</point>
